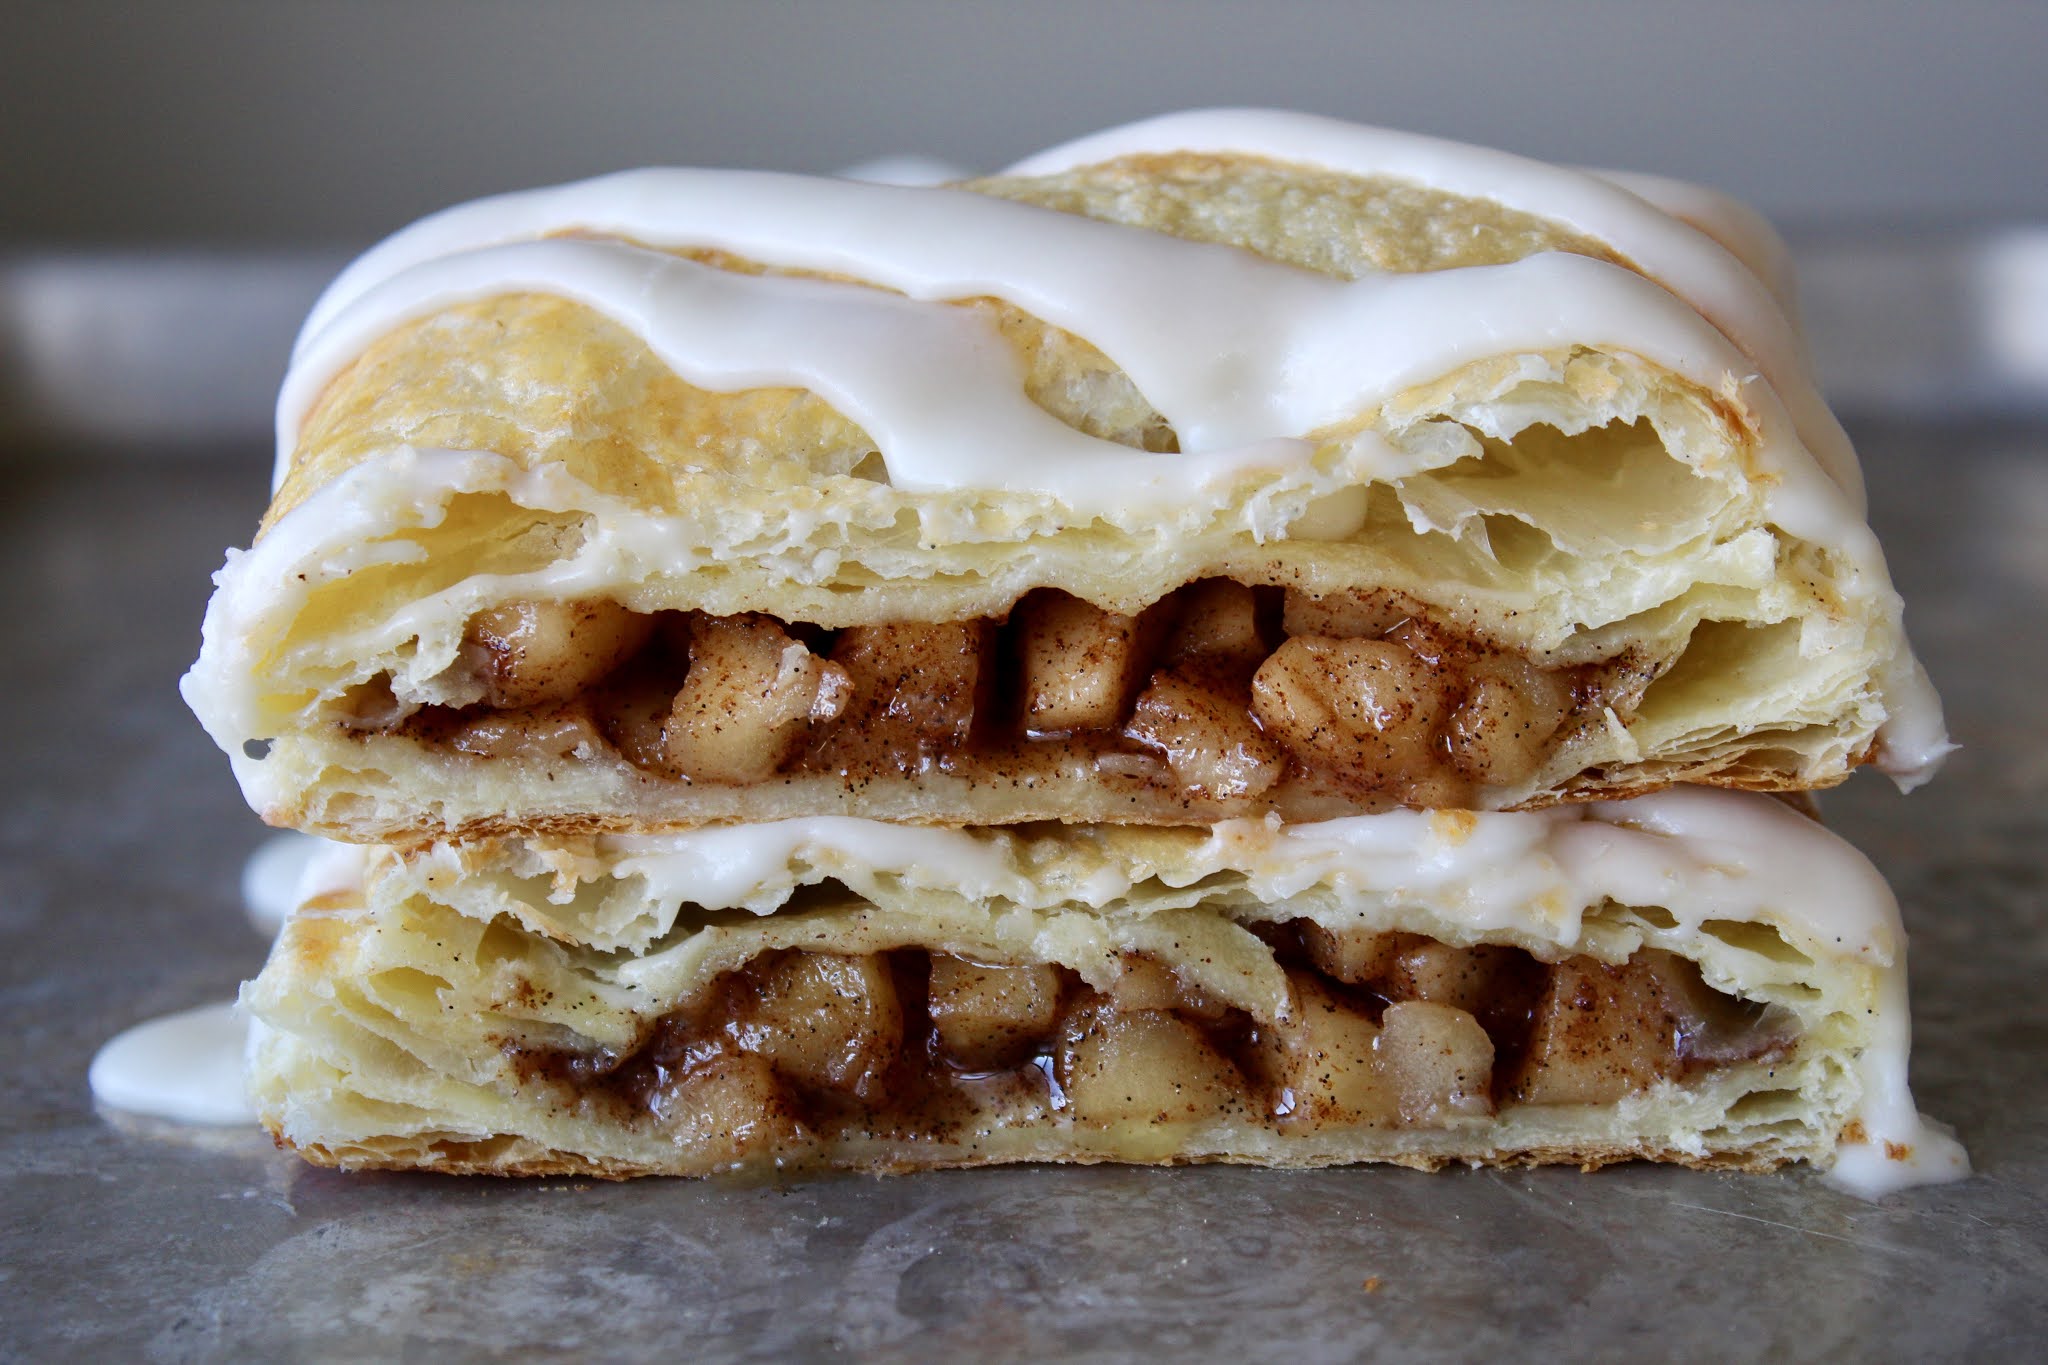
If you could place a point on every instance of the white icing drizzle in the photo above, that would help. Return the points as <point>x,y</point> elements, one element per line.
<point>185,1067</point>
<point>957,245</point>
<point>1698,853</point>
<point>941,397</point>
<point>1130,292</point>
<point>1701,853</point>
<point>1692,264</point>
<point>1194,325</point>
<point>1232,349</point>
<point>935,387</point>
<point>729,866</point>
<point>188,1067</point>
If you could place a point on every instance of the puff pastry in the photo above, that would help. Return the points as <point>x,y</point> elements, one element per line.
<point>1701,977</point>
<point>1225,465</point>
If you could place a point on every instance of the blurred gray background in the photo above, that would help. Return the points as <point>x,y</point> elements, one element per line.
<point>177,179</point>
<point>237,121</point>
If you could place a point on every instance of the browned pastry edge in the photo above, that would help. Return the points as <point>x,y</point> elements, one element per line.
<point>1589,1157</point>
<point>1196,814</point>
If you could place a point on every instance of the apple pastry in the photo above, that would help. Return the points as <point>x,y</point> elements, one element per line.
<point>1217,643</point>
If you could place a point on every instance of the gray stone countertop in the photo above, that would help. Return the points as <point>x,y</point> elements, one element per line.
<point>123,836</point>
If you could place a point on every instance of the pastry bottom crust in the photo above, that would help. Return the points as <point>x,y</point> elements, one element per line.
<point>386,789</point>
<point>521,1157</point>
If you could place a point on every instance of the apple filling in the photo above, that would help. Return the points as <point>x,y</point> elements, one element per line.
<point>1218,693</point>
<point>1383,1031</point>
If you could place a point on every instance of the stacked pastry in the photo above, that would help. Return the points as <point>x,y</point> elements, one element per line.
<point>1242,638</point>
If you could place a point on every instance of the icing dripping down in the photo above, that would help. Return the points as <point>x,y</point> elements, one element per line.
<point>188,1067</point>
<point>184,1067</point>
<point>1893,1146</point>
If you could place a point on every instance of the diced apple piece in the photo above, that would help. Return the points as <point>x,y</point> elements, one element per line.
<point>1080,664</point>
<point>989,1018</point>
<point>1501,732</point>
<point>747,699</point>
<point>1211,744</point>
<point>633,709</point>
<point>1600,1033</point>
<point>1361,710</point>
<point>1318,1062</point>
<point>536,653</point>
<point>917,687</point>
<point>1142,1067</point>
<point>1467,978</point>
<point>1357,957</point>
<point>1437,1061</point>
<point>1713,1027</point>
<point>1218,624</point>
<point>733,1108</point>
<point>827,1021</point>
<point>560,732</point>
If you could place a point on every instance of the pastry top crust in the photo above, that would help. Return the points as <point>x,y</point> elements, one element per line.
<point>1246,345</point>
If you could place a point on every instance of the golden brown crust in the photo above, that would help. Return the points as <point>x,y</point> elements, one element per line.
<point>448,1159</point>
<point>1300,215</point>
